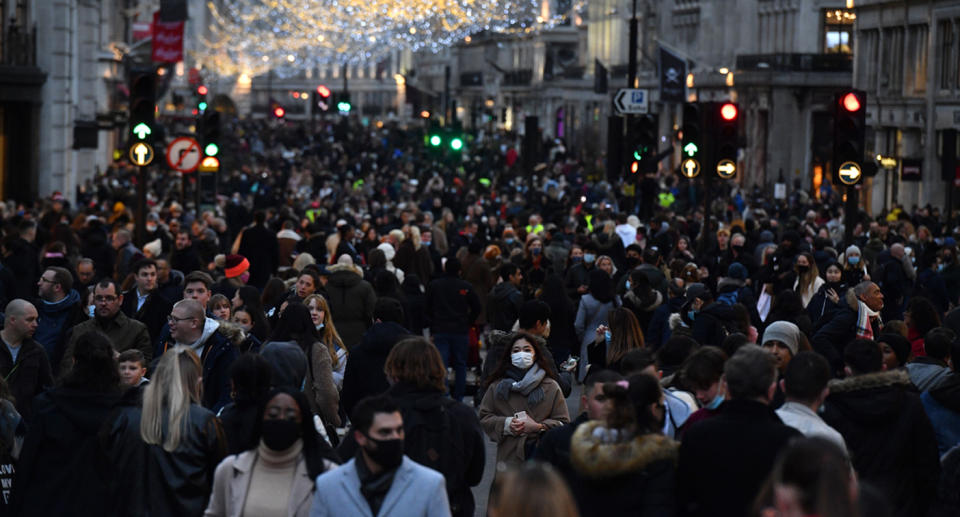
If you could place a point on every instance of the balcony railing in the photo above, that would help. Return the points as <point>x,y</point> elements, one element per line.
<point>18,47</point>
<point>520,77</point>
<point>796,62</point>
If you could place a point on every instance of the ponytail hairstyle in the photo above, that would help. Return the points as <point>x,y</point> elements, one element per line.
<point>631,400</point>
<point>166,399</point>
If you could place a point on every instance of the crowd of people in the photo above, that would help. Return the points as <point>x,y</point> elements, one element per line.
<point>354,320</point>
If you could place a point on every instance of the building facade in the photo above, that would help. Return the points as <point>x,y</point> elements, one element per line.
<point>908,62</point>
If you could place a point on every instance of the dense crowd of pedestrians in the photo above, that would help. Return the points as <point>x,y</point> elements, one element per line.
<point>305,345</point>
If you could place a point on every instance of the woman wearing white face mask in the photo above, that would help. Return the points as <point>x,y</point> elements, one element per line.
<point>522,401</point>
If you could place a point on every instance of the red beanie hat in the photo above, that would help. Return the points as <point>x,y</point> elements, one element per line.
<point>236,265</point>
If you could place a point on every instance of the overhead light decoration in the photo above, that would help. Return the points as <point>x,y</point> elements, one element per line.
<point>254,36</point>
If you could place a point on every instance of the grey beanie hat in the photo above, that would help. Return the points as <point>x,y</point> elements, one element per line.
<point>784,332</point>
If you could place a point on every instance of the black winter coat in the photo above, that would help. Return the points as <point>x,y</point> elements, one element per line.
<point>554,448</point>
<point>892,444</point>
<point>62,468</point>
<point>452,305</point>
<point>352,300</point>
<point>503,306</point>
<point>837,330</point>
<point>710,327</point>
<point>725,459</point>
<point>364,375</point>
<point>155,482</point>
<point>153,313</point>
<point>28,377</point>
<point>260,247</point>
<point>624,478</point>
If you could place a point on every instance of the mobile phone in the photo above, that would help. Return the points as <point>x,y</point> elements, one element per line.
<point>520,415</point>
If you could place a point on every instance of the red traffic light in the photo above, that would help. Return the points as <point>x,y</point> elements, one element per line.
<point>634,167</point>
<point>202,90</point>
<point>279,112</point>
<point>323,91</point>
<point>850,102</point>
<point>728,111</point>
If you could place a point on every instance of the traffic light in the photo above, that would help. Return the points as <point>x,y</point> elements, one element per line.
<point>434,137</point>
<point>692,143</point>
<point>208,131</point>
<point>850,113</point>
<point>142,104</point>
<point>726,139</point>
<point>277,110</point>
<point>202,98</point>
<point>321,100</point>
<point>643,135</point>
<point>343,103</point>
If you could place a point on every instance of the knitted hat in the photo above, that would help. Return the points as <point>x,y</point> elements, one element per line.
<point>852,250</point>
<point>737,270</point>
<point>899,344</point>
<point>784,332</point>
<point>236,265</point>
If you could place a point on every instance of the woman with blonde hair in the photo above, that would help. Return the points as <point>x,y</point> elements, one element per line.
<point>166,452</point>
<point>808,281</point>
<point>323,322</point>
<point>532,490</point>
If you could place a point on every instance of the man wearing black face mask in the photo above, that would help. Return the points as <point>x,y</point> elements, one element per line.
<point>379,480</point>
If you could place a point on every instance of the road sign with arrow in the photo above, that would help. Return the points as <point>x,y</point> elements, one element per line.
<point>141,154</point>
<point>690,168</point>
<point>849,173</point>
<point>183,154</point>
<point>631,100</point>
<point>726,169</point>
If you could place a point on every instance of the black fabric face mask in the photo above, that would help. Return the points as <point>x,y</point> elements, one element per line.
<point>280,435</point>
<point>388,453</point>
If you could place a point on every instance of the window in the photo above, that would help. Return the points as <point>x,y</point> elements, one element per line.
<point>868,56</point>
<point>891,64</point>
<point>945,37</point>
<point>916,62</point>
<point>838,31</point>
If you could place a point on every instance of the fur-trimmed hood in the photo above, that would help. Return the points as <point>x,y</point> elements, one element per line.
<point>868,381</point>
<point>676,321</point>
<point>872,399</point>
<point>233,332</point>
<point>594,458</point>
<point>345,267</point>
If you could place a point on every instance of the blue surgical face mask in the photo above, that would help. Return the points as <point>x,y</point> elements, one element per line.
<point>853,260</point>
<point>715,403</point>
<point>535,251</point>
<point>508,240</point>
<point>576,260</point>
<point>589,258</point>
<point>425,243</point>
<point>941,267</point>
<point>627,285</point>
<point>607,336</point>
<point>691,315</point>
<point>91,308</point>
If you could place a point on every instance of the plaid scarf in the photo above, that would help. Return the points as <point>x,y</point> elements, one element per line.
<point>864,314</point>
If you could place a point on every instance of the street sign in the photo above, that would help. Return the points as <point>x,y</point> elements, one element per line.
<point>141,154</point>
<point>690,168</point>
<point>631,100</point>
<point>183,154</point>
<point>726,169</point>
<point>849,173</point>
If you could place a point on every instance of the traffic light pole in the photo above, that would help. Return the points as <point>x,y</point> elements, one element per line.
<point>850,213</point>
<point>632,53</point>
<point>140,232</point>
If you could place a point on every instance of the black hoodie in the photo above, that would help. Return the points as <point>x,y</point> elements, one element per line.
<point>63,467</point>
<point>364,371</point>
<point>891,442</point>
<point>503,306</point>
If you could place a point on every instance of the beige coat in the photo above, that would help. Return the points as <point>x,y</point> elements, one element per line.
<point>232,480</point>
<point>551,411</point>
<point>320,389</point>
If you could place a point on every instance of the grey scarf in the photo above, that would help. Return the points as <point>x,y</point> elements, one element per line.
<point>526,383</point>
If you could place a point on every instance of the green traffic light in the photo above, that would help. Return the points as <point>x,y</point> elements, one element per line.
<point>141,130</point>
<point>211,149</point>
<point>202,106</point>
<point>343,106</point>
<point>456,144</point>
<point>637,156</point>
<point>435,140</point>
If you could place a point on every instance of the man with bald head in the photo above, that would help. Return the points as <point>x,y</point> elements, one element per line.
<point>190,326</point>
<point>23,362</point>
<point>895,275</point>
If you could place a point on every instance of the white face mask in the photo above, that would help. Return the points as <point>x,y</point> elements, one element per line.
<point>522,360</point>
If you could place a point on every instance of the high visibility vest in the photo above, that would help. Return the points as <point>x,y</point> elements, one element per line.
<point>534,229</point>
<point>666,199</point>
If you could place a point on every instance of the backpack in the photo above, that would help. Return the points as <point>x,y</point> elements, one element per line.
<point>728,298</point>
<point>431,436</point>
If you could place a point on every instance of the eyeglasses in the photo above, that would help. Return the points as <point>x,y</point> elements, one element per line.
<point>104,299</point>
<point>171,319</point>
<point>47,280</point>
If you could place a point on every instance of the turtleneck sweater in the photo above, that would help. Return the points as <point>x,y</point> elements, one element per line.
<point>272,481</point>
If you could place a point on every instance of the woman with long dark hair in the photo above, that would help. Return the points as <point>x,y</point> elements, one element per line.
<point>296,326</point>
<point>592,312</point>
<point>614,341</point>
<point>277,476</point>
<point>61,453</point>
<point>522,400</point>
<point>249,297</point>
<point>249,383</point>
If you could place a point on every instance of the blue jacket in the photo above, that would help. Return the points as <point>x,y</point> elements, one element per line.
<point>217,357</point>
<point>942,405</point>
<point>416,490</point>
<point>55,319</point>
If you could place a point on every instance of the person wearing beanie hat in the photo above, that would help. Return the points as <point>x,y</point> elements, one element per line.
<point>236,273</point>
<point>895,349</point>
<point>235,265</point>
<point>854,266</point>
<point>782,340</point>
<point>737,271</point>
